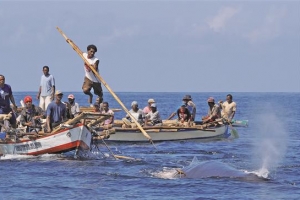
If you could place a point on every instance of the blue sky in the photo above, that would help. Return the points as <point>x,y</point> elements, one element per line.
<point>156,46</point>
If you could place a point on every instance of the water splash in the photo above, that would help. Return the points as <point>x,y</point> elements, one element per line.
<point>270,146</point>
<point>15,157</point>
<point>43,157</point>
<point>262,172</point>
<point>166,173</point>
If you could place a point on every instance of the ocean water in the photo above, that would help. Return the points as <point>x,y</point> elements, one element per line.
<point>268,148</point>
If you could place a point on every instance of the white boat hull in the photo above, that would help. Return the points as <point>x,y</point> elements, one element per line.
<point>62,141</point>
<point>180,134</point>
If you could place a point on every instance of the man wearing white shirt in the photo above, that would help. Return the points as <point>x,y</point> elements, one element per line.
<point>137,113</point>
<point>228,108</point>
<point>108,111</point>
<point>90,80</point>
<point>73,106</point>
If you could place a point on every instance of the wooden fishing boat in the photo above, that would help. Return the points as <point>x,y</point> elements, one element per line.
<point>164,133</point>
<point>65,140</point>
<point>73,134</point>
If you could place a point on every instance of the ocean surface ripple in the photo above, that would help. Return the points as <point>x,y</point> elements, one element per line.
<point>267,153</point>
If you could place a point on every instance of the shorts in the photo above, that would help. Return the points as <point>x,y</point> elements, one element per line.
<point>45,101</point>
<point>88,85</point>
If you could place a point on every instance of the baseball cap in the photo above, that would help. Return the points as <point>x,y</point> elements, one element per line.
<point>71,96</point>
<point>151,101</point>
<point>187,97</point>
<point>27,99</point>
<point>58,92</point>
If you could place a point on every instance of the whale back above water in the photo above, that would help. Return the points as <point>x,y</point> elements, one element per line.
<point>207,169</point>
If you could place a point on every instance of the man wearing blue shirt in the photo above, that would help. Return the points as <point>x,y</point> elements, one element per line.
<point>56,112</point>
<point>6,96</point>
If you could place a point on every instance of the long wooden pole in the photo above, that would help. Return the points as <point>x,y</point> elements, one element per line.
<point>104,83</point>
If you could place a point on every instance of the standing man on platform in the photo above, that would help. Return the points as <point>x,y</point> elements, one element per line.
<point>90,80</point>
<point>47,89</point>
<point>6,96</point>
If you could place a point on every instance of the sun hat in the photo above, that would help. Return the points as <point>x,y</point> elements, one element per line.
<point>71,96</point>
<point>151,101</point>
<point>58,92</point>
<point>211,99</point>
<point>134,103</point>
<point>27,99</point>
<point>187,97</point>
<point>153,105</point>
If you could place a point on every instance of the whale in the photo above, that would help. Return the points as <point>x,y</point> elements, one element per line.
<point>213,168</point>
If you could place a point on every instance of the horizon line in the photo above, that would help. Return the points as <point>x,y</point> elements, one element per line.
<point>182,92</point>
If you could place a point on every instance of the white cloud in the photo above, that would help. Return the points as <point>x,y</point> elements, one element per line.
<point>271,26</point>
<point>218,22</point>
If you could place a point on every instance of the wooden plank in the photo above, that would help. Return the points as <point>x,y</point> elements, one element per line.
<point>91,109</point>
<point>164,128</point>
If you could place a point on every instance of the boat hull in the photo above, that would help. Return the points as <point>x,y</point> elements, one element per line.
<point>167,135</point>
<point>62,141</point>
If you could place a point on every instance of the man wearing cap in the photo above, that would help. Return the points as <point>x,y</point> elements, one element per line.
<point>187,100</point>
<point>190,106</point>
<point>72,106</point>
<point>137,113</point>
<point>56,111</point>
<point>147,109</point>
<point>90,80</point>
<point>228,108</point>
<point>46,89</point>
<point>31,116</point>
<point>213,111</point>
<point>6,96</point>
<point>153,118</point>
